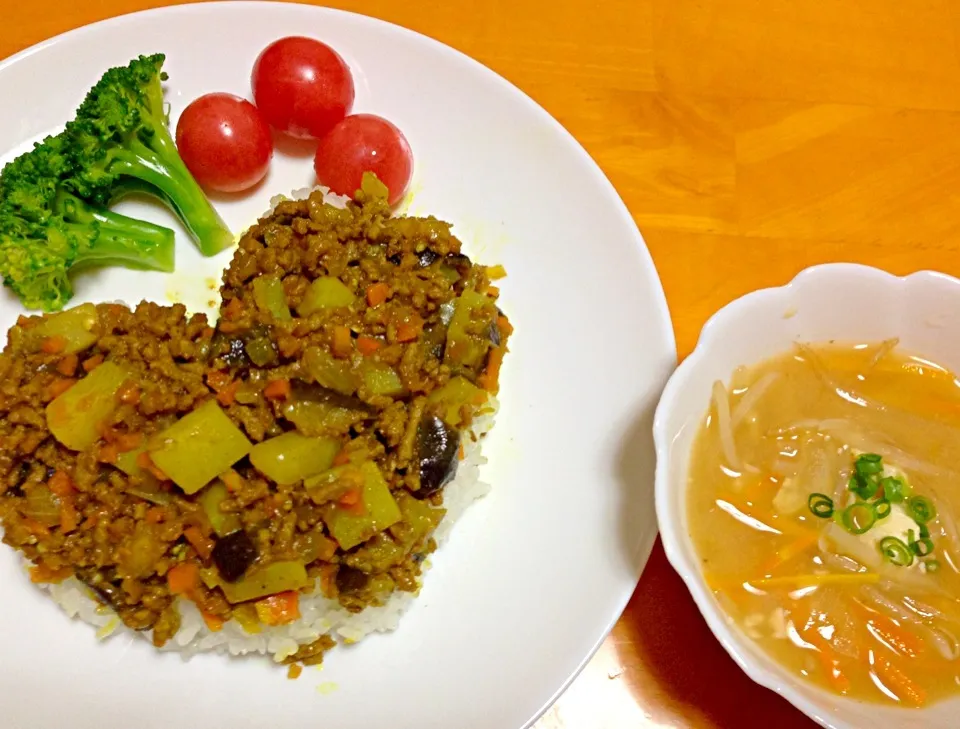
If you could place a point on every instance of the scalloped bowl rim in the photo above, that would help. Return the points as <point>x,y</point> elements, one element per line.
<point>671,507</point>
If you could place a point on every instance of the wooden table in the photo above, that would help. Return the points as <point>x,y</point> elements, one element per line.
<point>750,139</point>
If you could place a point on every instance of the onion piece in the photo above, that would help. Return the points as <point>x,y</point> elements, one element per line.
<point>752,397</point>
<point>722,403</point>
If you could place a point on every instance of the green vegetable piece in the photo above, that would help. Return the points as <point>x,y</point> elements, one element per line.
<point>120,143</point>
<point>381,379</point>
<point>458,393</point>
<point>921,509</point>
<point>858,518</point>
<point>894,489</point>
<point>75,417</point>
<point>77,327</point>
<point>329,372</point>
<point>199,447</point>
<point>820,505</point>
<point>351,526</point>
<point>47,231</point>
<point>223,522</point>
<point>292,457</point>
<point>896,552</point>
<point>261,351</point>
<point>269,295</point>
<point>468,336</point>
<point>269,580</point>
<point>319,418</point>
<point>882,508</point>
<point>325,292</point>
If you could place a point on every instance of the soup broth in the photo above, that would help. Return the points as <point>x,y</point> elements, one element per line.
<point>823,495</point>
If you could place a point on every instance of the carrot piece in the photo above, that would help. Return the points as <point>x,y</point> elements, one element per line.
<point>108,453</point>
<point>199,541</point>
<point>377,293</point>
<point>53,345</point>
<point>60,484</point>
<point>495,273</point>
<point>410,329</point>
<point>214,623</point>
<point>368,345</point>
<point>897,680</point>
<point>67,366</point>
<point>897,638</point>
<point>91,363</point>
<point>217,380</point>
<point>231,480</point>
<point>277,389</point>
<point>342,342</point>
<point>341,459</point>
<point>184,578</point>
<point>506,328</point>
<point>69,517</point>
<point>293,673</point>
<point>829,659</point>
<point>493,291</point>
<point>461,453</point>
<point>126,442</point>
<point>351,497</point>
<point>227,395</point>
<point>42,574</point>
<point>490,379</point>
<point>35,527</point>
<point>60,386</point>
<point>129,393</point>
<point>233,309</point>
<point>155,515</point>
<point>789,551</point>
<point>146,462</point>
<point>279,609</point>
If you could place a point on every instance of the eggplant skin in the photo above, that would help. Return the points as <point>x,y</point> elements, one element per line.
<point>438,447</point>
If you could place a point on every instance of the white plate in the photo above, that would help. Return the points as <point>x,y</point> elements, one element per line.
<point>536,574</point>
<point>837,301</point>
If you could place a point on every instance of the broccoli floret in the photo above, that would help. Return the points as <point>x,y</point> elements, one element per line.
<point>46,231</point>
<point>120,141</point>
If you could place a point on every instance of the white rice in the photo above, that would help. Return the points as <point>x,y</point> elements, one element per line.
<point>318,615</point>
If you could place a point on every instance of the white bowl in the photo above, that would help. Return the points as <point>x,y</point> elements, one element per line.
<point>836,301</point>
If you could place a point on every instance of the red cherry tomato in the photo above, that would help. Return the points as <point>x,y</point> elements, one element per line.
<point>364,143</point>
<point>224,142</point>
<point>302,86</point>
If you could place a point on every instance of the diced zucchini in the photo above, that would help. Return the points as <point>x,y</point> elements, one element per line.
<point>452,397</point>
<point>320,418</point>
<point>270,297</point>
<point>75,417</point>
<point>335,374</point>
<point>127,461</point>
<point>468,337</point>
<point>326,292</point>
<point>351,526</point>
<point>223,522</point>
<point>198,447</point>
<point>260,350</point>
<point>381,379</point>
<point>269,580</point>
<point>292,457</point>
<point>78,327</point>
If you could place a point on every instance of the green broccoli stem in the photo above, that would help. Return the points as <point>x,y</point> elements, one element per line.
<point>122,240</point>
<point>160,167</point>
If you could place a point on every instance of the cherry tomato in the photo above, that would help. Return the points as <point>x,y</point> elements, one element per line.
<point>364,143</point>
<point>302,87</point>
<point>224,142</point>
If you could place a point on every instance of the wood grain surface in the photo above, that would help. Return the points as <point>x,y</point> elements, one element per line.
<point>750,139</point>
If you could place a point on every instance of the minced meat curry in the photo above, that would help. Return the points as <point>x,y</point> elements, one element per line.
<point>304,441</point>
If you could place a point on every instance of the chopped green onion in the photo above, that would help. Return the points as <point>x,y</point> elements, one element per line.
<point>924,532</point>
<point>896,551</point>
<point>921,509</point>
<point>931,565</point>
<point>858,518</point>
<point>881,508</point>
<point>893,489</point>
<point>922,547</point>
<point>821,505</point>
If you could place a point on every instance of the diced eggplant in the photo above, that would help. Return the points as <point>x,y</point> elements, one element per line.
<point>233,555</point>
<point>438,446</point>
<point>427,257</point>
<point>494,334</point>
<point>350,580</point>
<point>317,410</point>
